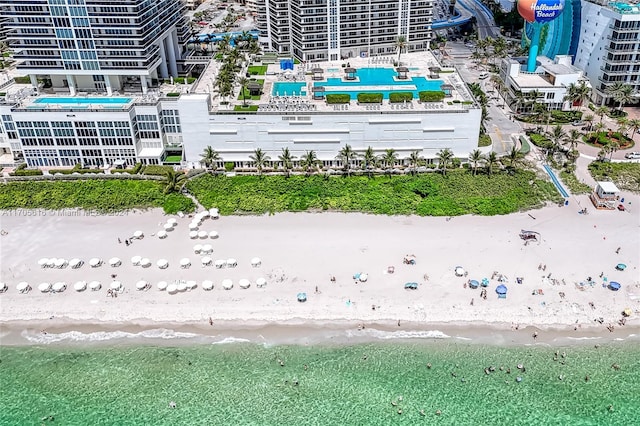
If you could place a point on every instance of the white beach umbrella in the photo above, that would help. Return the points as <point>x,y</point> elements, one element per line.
<point>203,234</point>
<point>162,263</point>
<point>172,289</point>
<point>138,234</point>
<point>261,282</point>
<point>255,262</point>
<point>59,287</point>
<point>43,262</point>
<point>213,234</point>
<point>80,286</point>
<point>115,285</point>
<point>193,235</point>
<point>115,262</point>
<point>193,226</point>
<point>227,284</point>
<point>44,287</point>
<point>221,263</point>
<point>3,287</point>
<point>207,285</point>
<point>95,262</point>
<point>185,262</point>
<point>173,221</point>
<point>23,287</point>
<point>191,284</point>
<point>206,261</point>
<point>95,285</point>
<point>244,283</point>
<point>135,260</point>
<point>232,263</point>
<point>168,226</point>
<point>75,263</point>
<point>141,285</point>
<point>197,248</point>
<point>51,263</point>
<point>363,277</point>
<point>162,234</point>
<point>459,271</point>
<point>204,214</point>
<point>182,286</point>
<point>61,263</point>
<point>162,285</point>
<point>214,214</point>
<point>207,248</point>
<point>145,262</point>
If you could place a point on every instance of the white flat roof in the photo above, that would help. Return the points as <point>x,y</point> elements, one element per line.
<point>608,186</point>
<point>150,152</point>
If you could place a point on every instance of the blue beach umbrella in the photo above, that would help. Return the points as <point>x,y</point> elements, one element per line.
<point>621,266</point>
<point>485,282</point>
<point>501,289</point>
<point>302,297</point>
<point>474,284</point>
<point>615,286</point>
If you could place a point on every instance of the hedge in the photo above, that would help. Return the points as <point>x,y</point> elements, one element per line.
<point>400,96</point>
<point>22,170</point>
<point>76,169</point>
<point>338,98</point>
<point>172,95</point>
<point>370,98</point>
<point>155,170</point>
<point>431,96</point>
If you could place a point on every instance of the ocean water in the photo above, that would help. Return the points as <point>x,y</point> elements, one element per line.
<point>363,384</point>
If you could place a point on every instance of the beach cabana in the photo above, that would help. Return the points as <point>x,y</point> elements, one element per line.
<point>3,287</point>
<point>255,89</point>
<point>302,297</point>
<point>95,285</point>
<point>318,92</point>
<point>145,262</point>
<point>434,72</point>
<point>213,235</point>
<point>473,284</point>
<point>162,285</point>
<point>95,262</point>
<point>59,287</point>
<point>185,262</point>
<point>207,248</point>
<point>191,285</point>
<point>43,263</point>
<point>232,263</point>
<point>23,287</point>
<point>350,73</point>
<point>213,213</point>
<point>80,286</point>
<point>44,287</point>
<point>244,283</point>
<point>220,263</point>
<point>114,261</point>
<point>261,282</point>
<point>207,285</point>
<point>197,249</point>
<point>75,263</point>
<point>459,271</point>
<point>162,263</point>
<point>255,262</point>
<point>227,284</point>
<point>402,73</point>
<point>317,73</point>
<point>193,234</point>
<point>135,260</point>
<point>162,234</point>
<point>447,89</point>
<point>115,285</point>
<point>615,286</point>
<point>138,235</point>
<point>502,291</point>
<point>206,261</point>
<point>142,285</point>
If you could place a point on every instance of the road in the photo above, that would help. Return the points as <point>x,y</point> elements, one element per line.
<point>484,19</point>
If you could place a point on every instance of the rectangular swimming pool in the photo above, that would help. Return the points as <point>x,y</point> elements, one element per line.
<point>378,80</point>
<point>289,89</point>
<point>72,101</point>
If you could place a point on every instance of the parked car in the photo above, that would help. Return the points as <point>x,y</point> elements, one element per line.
<point>632,155</point>
<point>621,207</point>
<point>577,123</point>
<point>483,75</point>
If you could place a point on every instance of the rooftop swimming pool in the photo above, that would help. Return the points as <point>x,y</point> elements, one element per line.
<point>75,101</point>
<point>289,89</point>
<point>378,80</point>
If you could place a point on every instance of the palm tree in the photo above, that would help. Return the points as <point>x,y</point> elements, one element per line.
<point>573,138</point>
<point>556,136</point>
<point>476,157</point>
<point>389,159</point>
<point>444,157</point>
<point>346,155</point>
<point>174,181</point>
<point>260,159</point>
<point>634,126</point>
<point>577,93</point>
<point>621,93</point>
<point>309,161</point>
<point>613,147</point>
<point>623,125</point>
<point>401,43</point>
<point>369,160</point>
<point>209,157</point>
<point>415,160</point>
<point>491,159</point>
<point>589,120</point>
<point>243,81</point>
<point>515,157</point>
<point>287,160</point>
<point>601,111</point>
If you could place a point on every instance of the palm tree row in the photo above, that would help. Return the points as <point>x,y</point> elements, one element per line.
<point>622,93</point>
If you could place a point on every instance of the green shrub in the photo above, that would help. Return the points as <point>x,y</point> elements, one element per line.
<point>26,172</point>
<point>76,169</point>
<point>564,117</point>
<point>484,140</point>
<point>540,141</point>
<point>370,98</point>
<point>229,166</point>
<point>172,95</point>
<point>338,98</point>
<point>248,108</point>
<point>155,170</point>
<point>136,168</point>
<point>575,186</point>
<point>431,96</point>
<point>22,80</point>
<point>626,176</point>
<point>395,97</point>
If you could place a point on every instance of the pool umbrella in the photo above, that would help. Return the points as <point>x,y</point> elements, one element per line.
<point>162,234</point>
<point>114,261</point>
<point>115,285</point>
<point>135,260</point>
<point>172,221</point>
<point>474,284</point>
<point>162,263</point>
<point>485,282</point>
<point>232,263</point>
<point>43,263</point>
<point>95,262</point>
<point>23,287</point>
<point>213,211</point>
<point>459,270</point>
<point>168,227</point>
<point>95,285</point>
<point>255,262</point>
<point>207,285</point>
<point>193,226</point>
<point>615,286</point>
<point>302,297</point>
<point>363,277</point>
<point>203,214</point>
<point>213,235</point>
<point>227,284</point>
<point>220,263</point>
<point>501,289</point>
<point>75,263</point>
<point>59,287</point>
<point>191,284</point>
<point>185,262</point>
<point>261,282</point>
<point>244,283</point>
<point>193,235</point>
<point>80,286</point>
<point>141,285</point>
<point>44,287</point>
<point>138,234</point>
<point>145,262</point>
<point>162,285</point>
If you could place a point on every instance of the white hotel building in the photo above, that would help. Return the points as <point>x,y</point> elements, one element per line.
<point>103,105</point>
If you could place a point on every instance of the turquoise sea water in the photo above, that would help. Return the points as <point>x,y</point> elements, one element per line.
<point>366,384</point>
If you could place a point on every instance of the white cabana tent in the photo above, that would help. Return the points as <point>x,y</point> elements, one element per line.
<point>244,283</point>
<point>135,260</point>
<point>193,235</point>
<point>115,262</point>
<point>206,261</point>
<point>221,263</point>
<point>138,234</point>
<point>197,249</point>
<point>213,234</point>
<point>43,263</point>
<point>80,286</point>
<point>203,234</point>
<point>115,285</point>
<point>459,271</point>
<point>23,287</point>
<point>162,263</point>
<point>95,285</point>
<point>207,285</point>
<point>162,285</point>
<point>162,234</point>
<point>191,285</point>
<point>261,282</point>
<point>363,277</point>
<point>207,248</point>
<point>61,263</point>
<point>185,262</point>
<point>59,287</point>
<point>203,214</point>
<point>172,289</point>
<point>214,214</point>
<point>255,262</point>
<point>3,287</point>
<point>75,263</point>
<point>145,262</point>
<point>232,263</point>
<point>95,262</point>
<point>44,287</point>
<point>142,285</point>
<point>227,284</point>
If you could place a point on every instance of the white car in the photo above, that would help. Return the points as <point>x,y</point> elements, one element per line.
<point>632,155</point>
<point>483,75</point>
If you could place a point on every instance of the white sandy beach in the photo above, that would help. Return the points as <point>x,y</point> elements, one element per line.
<point>302,251</point>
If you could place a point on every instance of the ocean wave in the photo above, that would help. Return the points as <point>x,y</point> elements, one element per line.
<point>390,335</point>
<point>228,340</point>
<point>100,336</point>
<point>584,338</point>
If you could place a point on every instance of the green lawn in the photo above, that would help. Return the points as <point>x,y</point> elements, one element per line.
<point>624,175</point>
<point>257,69</point>
<point>100,195</point>
<point>173,159</point>
<point>248,108</point>
<point>426,195</point>
<point>573,184</point>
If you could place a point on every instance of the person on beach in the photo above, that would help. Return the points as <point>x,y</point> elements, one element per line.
<point>210,321</point>
<point>119,241</point>
<point>398,323</point>
<point>535,335</point>
<point>618,250</point>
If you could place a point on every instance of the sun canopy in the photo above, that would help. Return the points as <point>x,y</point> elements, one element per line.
<point>145,262</point>
<point>213,235</point>
<point>114,261</point>
<point>95,285</point>
<point>256,262</point>
<point>95,262</point>
<point>138,234</point>
<point>501,289</point>
<point>59,287</point>
<point>184,262</point>
<point>615,286</point>
<point>227,284</point>
<point>193,235</point>
<point>115,285</point>
<point>142,285</point>
<point>44,287</point>
<point>43,262</point>
<point>459,270</point>
<point>162,234</point>
<point>162,263</point>
<point>162,285</point>
<point>75,263</point>
<point>207,248</point>
<point>135,260</point>
<point>261,282</point>
<point>207,285</point>
<point>244,283</point>
<point>80,286</point>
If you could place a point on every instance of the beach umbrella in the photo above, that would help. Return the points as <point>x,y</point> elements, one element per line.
<point>138,234</point>
<point>474,284</point>
<point>459,270</point>
<point>255,262</point>
<point>185,262</point>
<point>141,285</point>
<point>162,285</point>
<point>197,248</point>
<point>244,283</point>
<point>43,263</point>
<point>95,285</point>
<point>114,261</point>
<point>95,262</point>
<point>302,297</point>
<point>172,221</point>
<point>232,263</point>
<point>206,261</point>
<point>193,226</point>
<point>220,263</point>
<point>3,287</point>
<point>203,234</point>
<point>135,260</point>
<point>75,263</point>
<point>191,284</point>
<point>627,312</point>
<point>621,266</point>
<point>115,285</point>
<point>615,286</point>
<point>193,235</point>
<point>172,289</point>
<point>182,286</point>
<point>203,214</point>
<point>485,282</point>
<point>501,289</point>
<point>168,227</point>
<point>59,287</point>
<point>227,284</point>
<point>51,263</point>
<point>213,235</point>
<point>44,287</point>
<point>207,285</point>
<point>80,286</point>
<point>207,248</point>
<point>145,262</point>
<point>261,282</point>
<point>214,214</point>
<point>61,263</point>
<point>23,287</point>
<point>162,234</point>
<point>162,263</point>
<point>363,277</point>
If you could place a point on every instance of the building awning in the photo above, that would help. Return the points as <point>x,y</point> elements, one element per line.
<point>150,152</point>
<point>446,87</point>
<point>254,86</point>
<point>350,70</point>
<point>317,89</point>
